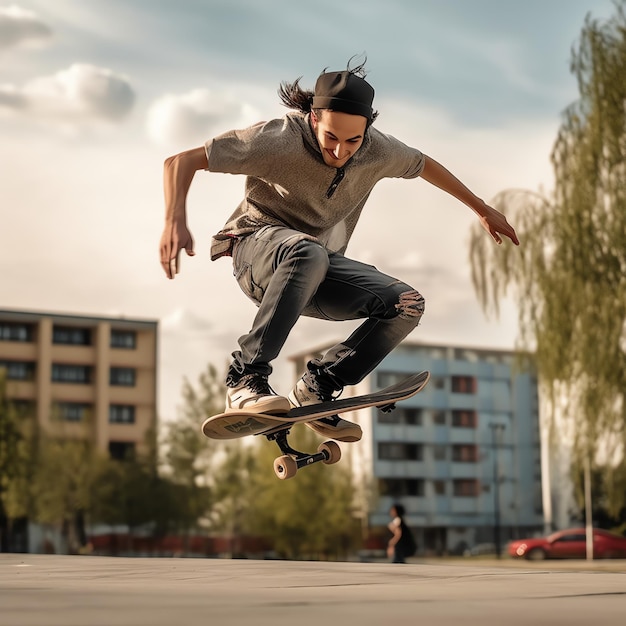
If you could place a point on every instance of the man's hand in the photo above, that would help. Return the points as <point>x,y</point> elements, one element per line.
<point>496,224</point>
<point>175,237</point>
<point>491,220</point>
<point>178,172</point>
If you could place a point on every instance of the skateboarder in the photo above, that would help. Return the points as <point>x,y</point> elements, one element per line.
<point>308,177</point>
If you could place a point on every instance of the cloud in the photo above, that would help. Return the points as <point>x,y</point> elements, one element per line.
<point>10,97</point>
<point>19,25</point>
<point>185,119</point>
<point>79,93</point>
<point>183,320</point>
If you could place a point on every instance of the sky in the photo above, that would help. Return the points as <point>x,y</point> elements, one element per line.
<point>95,94</point>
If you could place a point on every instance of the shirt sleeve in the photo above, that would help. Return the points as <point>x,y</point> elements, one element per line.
<point>250,151</point>
<point>397,159</point>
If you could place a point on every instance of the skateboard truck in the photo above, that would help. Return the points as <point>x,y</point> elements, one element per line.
<point>292,460</point>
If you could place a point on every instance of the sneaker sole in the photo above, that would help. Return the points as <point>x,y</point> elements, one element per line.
<point>313,425</point>
<point>280,406</point>
<point>335,436</point>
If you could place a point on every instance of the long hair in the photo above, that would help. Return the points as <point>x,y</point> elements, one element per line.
<point>400,510</point>
<point>293,96</point>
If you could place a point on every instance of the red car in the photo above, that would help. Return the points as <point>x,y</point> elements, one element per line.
<point>569,544</point>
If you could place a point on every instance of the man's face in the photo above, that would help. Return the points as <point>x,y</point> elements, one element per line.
<point>339,135</point>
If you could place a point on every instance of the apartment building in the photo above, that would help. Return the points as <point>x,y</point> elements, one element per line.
<point>83,376</point>
<point>463,456</point>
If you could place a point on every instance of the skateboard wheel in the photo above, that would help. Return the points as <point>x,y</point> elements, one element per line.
<point>332,450</point>
<point>285,467</point>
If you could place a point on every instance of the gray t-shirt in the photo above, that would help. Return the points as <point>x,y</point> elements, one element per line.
<point>288,183</point>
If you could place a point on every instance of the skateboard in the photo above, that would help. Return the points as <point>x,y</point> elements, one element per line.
<point>276,427</point>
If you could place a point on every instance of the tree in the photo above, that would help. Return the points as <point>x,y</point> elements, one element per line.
<point>62,487</point>
<point>569,273</point>
<point>310,515</point>
<point>234,489</point>
<point>13,463</point>
<point>188,455</point>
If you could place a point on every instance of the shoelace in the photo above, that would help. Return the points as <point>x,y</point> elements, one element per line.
<point>322,386</point>
<point>258,384</point>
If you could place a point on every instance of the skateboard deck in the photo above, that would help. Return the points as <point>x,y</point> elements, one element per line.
<point>237,424</point>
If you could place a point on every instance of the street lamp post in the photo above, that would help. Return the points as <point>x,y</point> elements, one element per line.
<point>496,488</point>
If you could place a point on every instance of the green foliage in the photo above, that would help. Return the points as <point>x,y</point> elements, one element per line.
<point>188,455</point>
<point>10,438</point>
<point>16,456</point>
<point>308,516</point>
<point>233,489</point>
<point>129,492</point>
<point>62,479</point>
<point>569,274</point>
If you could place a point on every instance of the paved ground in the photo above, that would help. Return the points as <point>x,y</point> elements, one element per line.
<point>38,590</point>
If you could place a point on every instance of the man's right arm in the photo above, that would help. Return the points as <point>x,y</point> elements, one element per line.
<point>178,172</point>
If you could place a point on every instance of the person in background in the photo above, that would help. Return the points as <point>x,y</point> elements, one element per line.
<point>402,543</point>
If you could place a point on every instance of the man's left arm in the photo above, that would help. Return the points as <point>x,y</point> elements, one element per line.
<point>491,220</point>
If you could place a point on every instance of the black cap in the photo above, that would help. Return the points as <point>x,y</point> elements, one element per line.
<point>345,92</point>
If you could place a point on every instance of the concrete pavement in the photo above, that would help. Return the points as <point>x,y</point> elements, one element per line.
<point>42,590</point>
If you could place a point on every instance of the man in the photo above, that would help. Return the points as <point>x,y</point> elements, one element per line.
<point>308,177</point>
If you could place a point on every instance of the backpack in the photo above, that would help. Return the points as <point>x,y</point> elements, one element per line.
<point>407,542</point>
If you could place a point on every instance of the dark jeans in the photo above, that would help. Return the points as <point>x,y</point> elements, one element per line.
<point>289,274</point>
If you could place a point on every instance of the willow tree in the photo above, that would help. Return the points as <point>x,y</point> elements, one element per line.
<point>569,274</point>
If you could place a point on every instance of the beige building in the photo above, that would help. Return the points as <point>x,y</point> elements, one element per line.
<point>83,376</point>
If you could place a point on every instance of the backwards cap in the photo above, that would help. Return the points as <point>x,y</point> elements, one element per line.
<point>345,92</point>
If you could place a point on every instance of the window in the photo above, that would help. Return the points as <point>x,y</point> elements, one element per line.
<point>465,488</point>
<point>121,414</point>
<point>398,487</point>
<point>386,379</point>
<point>395,451</point>
<point>122,376</point>
<point>123,339</point>
<point>18,370</point>
<point>410,416</point>
<point>566,538</point>
<point>10,331</point>
<point>73,411</point>
<point>465,453</point>
<point>463,384</point>
<point>413,417</point>
<point>464,419</point>
<point>438,382</point>
<point>439,486</point>
<point>440,452</point>
<point>79,374</point>
<point>71,336</point>
<point>121,450</point>
<point>439,418</point>
<point>463,354</point>
<point>25,408</point>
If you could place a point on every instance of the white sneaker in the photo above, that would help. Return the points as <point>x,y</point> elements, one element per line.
<point>253,393</point>
<point>315,387</point>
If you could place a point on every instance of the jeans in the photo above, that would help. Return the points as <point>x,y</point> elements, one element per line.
<point>288,274</point>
